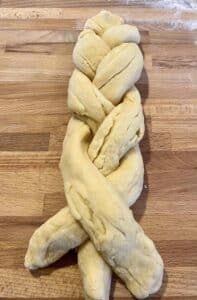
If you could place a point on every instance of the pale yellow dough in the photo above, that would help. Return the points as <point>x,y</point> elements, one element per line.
<point>102,167</point>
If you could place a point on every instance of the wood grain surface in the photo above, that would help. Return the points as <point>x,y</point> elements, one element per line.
<point>36,43</point>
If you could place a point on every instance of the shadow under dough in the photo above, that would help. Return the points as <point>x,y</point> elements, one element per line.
<point>140,206</point>
<point>67,260</point>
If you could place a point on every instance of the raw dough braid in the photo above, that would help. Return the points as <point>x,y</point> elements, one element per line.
<point>102,167</point>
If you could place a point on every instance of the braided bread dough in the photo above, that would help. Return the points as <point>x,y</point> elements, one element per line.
<point>102,167</point>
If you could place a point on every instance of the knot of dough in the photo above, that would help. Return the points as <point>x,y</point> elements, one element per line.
<point>102,167</point>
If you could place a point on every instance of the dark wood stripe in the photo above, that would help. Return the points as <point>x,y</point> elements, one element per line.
<point>80,3</point>
<point>24,141</point>
<point>49,199</point>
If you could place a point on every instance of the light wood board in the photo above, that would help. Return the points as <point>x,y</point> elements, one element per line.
<point>36,43</point>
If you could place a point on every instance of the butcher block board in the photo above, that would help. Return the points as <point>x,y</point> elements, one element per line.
<point>36,43</point>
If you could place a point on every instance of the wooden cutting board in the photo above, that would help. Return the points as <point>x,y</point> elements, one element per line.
<point>36,43</point>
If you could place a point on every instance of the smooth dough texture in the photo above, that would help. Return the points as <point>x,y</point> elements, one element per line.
<point>102,167</point>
